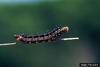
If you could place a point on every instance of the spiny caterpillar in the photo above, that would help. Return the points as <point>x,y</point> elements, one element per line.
<point>48,37</point>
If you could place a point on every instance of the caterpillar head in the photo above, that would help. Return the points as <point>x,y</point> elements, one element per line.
<point>65,29</point>
<point>18,37</point>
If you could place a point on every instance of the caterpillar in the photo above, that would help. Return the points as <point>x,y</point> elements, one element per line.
<point>48,37</point>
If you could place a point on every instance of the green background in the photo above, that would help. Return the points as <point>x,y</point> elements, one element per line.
<point>81,16</point>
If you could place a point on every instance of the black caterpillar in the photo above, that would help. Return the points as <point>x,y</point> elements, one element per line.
<point>48,37</point>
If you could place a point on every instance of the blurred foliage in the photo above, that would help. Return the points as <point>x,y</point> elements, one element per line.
<point>82,17</point>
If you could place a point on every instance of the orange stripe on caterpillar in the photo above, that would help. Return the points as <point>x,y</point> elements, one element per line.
<point>50,36</point>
